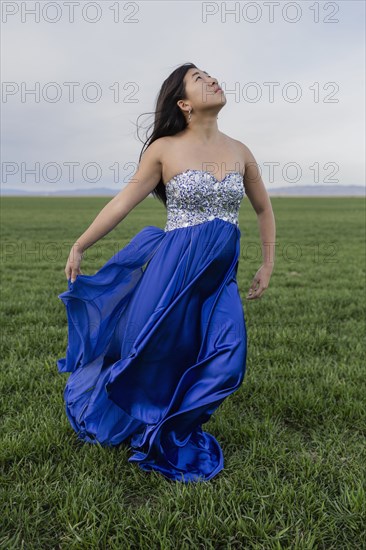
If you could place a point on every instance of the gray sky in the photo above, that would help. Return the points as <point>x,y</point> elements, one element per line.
<point>320,54</point>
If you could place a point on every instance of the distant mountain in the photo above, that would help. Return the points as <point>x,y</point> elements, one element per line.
<point>319,190</point>
<point>102,191</point>
<point>301,190</point>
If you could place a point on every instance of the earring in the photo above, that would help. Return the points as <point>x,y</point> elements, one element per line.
<point>189,116</point>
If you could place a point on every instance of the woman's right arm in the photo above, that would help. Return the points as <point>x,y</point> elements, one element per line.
<point>138,188</point>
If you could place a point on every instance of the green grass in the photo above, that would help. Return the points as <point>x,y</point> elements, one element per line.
<point>293,435</point>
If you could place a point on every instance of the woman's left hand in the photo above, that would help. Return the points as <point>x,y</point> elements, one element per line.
<point>260,282</point>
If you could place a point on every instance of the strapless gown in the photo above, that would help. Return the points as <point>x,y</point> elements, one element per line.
<point>157,337</point>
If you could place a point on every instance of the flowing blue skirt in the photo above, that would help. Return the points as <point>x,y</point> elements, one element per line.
<point>156,342</point>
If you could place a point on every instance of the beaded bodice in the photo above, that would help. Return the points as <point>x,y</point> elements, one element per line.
<point>196,196</point>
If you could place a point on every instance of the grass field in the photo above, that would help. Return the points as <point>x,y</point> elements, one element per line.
<point>293,436</point>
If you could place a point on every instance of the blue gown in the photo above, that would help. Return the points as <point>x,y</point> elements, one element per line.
<point>157,337</point>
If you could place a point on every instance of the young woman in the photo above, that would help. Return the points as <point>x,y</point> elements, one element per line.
<point>157,337</point>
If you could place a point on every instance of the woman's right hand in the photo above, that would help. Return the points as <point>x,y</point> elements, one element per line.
<point>72,268</point>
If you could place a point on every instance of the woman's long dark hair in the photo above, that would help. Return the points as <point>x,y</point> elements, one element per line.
<point>169,119</point>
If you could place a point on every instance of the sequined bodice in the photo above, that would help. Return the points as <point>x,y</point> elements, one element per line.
<point>196,196</point>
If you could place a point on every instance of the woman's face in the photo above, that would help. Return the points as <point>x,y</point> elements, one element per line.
<point>203,89</point>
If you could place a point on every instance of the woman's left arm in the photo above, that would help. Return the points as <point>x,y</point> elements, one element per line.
<point>259,199</point>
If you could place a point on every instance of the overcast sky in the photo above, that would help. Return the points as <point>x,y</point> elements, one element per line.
<point>314,51</point>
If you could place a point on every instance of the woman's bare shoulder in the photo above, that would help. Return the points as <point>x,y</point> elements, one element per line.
<point>168,147</point>
<point>165,142</point>
<point>246,153</point>
<point>241,148</point>
<point>159,147</point>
